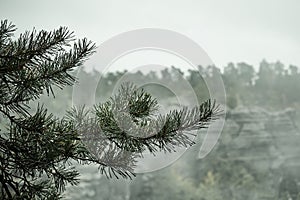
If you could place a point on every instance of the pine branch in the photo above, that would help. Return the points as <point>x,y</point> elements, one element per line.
<point>6,31</point>
<point>118,122</point>
<point>32,47</point>
<point>96,148</point>
<point>35,63</point>
<point>116,133</point>
<point>36,148</point>
<point>37,142</point>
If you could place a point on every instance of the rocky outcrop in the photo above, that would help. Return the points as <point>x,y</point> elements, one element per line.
<point>269,139</point>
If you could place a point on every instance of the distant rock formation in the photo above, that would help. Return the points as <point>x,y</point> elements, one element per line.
<point>261,136</point>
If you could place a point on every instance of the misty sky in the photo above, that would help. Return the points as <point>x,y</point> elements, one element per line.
<point>231,30</point>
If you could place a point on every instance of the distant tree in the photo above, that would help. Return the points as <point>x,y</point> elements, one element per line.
<point>37,150</point>
<point>292,87</point>
<point>265,85</point>
<point>230,78</point>
<point>246,73</point>
<point>196,80</point>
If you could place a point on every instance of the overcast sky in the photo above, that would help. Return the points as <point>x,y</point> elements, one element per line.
<point>229,31</point>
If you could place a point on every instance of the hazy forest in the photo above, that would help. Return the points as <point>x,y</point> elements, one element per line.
<point>257,156</point>
<point>150,100</point>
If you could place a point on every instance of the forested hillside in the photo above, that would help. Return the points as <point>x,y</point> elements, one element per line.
<point>257,156</point>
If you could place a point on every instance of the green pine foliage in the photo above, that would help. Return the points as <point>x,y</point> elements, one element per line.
<point>37,149</point>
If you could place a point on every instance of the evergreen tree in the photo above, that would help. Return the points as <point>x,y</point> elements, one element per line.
<point>37,149</point>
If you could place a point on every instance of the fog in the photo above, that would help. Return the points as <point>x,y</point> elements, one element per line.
<point>250,66</point>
